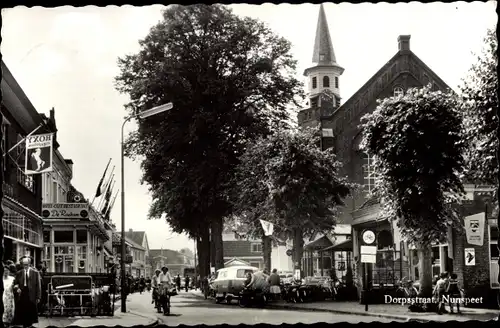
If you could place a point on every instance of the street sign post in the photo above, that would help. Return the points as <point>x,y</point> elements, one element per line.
<point>368,256</point>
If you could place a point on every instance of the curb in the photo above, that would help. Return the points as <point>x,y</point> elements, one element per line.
<point>368,314</point>
<point>153,320</point>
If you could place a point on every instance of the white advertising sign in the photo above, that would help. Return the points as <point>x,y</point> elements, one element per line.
<point>39,153</point>
<point>470,257</point>
<point>297,274</point>
<point>369,250</point>
<point>65,211</point>
<point>368,258</point>
<point>474,229</point>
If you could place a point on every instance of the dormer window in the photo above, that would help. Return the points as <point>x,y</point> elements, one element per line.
<point>398,92</point>
<point>314,82</point>
<point>326,82</point>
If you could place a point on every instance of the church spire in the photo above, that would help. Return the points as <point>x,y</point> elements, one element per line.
<point>323,48</point>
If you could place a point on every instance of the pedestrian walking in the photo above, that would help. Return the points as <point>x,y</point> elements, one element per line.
<point>8,295</point>
<point>187,283</point>
<point>440,290</point>
<point>453,291</point>
<point>275,282</point>
<point>27,285</point>
<point>178,282</point>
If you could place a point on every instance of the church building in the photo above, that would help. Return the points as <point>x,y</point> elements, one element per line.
<point>340,122</point>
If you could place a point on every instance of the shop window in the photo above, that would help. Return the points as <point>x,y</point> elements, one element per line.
<point>64,236</point>
<point>82,258</point>
<point>46,236</point>
<point>64,259</point>
<point>493,237</point>
<point>81,237</point>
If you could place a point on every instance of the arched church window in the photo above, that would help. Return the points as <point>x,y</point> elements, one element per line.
<point>398,92</point>
<point>314,82</point>
<point>326,82</point>
<point>336,82</point>
<point>369,175</point>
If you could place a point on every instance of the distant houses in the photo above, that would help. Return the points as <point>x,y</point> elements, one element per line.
<point>175,261</point>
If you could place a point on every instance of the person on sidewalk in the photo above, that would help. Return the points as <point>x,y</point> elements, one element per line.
<point>155,283</point>
<point>8,295</point>
<point>453,292</point>
<point>187,283</point>
<point>440,290</point>
<point>142,284</point>
<point>27,284</point>
<point>274,282</point>
<point>178,282</point>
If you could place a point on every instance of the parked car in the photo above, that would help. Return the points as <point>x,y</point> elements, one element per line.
<point>228,283</point>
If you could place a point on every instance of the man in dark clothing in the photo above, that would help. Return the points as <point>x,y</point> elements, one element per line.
<point>274,282</point>
<point>27,284</point>
<point>187,283</point>
<point>178,282</point>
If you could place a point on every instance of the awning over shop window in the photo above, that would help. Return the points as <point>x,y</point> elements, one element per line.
<point>343,246</point>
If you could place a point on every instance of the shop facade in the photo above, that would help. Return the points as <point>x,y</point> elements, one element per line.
<point>396,260</point>
<point>75,246</point>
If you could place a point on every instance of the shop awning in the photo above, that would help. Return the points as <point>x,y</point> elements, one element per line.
<point>343,246</point>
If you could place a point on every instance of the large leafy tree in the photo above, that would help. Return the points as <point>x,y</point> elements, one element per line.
<point>231,80</point>
<point>480,108</point>
<point>287,180</point>
<point>481,117</point>
<point>418,145</point>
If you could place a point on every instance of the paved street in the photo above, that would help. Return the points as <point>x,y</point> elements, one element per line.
<point>190,310</point>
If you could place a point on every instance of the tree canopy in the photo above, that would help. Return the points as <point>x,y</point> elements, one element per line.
<point>480,95</point>
<point>286,179</point>
<point>230,80</point>
<point>418,145</point>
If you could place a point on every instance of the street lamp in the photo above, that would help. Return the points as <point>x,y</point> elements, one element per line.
<point>143,114</point>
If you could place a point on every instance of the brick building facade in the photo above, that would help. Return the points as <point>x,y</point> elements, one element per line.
<point>340,129</point>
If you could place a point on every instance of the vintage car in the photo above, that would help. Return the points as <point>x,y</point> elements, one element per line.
<point>229,282</point>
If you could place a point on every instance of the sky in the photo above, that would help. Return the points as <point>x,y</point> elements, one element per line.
<point>65,58</point>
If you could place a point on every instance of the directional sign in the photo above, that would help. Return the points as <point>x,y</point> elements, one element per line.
<point>368,258</point>
<point>369,250</point>
<point>470,257</point>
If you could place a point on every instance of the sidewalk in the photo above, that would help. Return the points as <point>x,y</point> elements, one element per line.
<point>128,319</point>
<point>390,311</point>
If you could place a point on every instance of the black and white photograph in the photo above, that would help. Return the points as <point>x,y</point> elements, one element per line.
<point>249,164</point>
<point>39,153</point>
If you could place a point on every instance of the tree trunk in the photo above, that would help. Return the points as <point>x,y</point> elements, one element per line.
<point>298,249</point>
<point>425,270</point>
<point>216,234</point>
<point>267,248</point>
<point>203,247</point>
<point>2,152</point>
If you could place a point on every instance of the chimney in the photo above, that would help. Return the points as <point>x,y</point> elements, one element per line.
<point>404,42</point>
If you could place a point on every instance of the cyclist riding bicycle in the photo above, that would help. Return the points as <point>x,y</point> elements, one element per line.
<point>165,284</point>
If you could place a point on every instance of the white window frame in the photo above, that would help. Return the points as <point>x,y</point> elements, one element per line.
<point>398,91</point>
<point>369,176</point>
<point>493,278</point>
<point>258,246</point>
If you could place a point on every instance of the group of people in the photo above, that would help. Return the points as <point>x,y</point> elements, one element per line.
<point>22,293</point>
<point>447,285</point>
<point>262,281</point>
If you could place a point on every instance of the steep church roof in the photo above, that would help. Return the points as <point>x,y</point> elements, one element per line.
<point>323,53</point>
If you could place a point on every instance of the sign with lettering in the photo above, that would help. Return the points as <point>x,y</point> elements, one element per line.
<point>474,229</point>
<point>65,210</point>
<point>39,153</point>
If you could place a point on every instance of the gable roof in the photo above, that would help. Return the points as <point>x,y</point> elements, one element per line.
<point>136,236</point>
<point>236,262</point>
<point>239,248</point>
<point>171,256</point>
<point>116,239</point>
<point>384,69</point>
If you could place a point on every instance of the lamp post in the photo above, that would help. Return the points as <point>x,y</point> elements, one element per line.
<point>143,114</point>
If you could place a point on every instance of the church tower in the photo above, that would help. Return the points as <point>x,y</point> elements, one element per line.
<point>324,75</point>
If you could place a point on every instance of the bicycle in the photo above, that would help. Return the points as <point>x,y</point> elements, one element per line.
<point>164,300</point>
